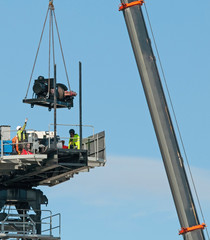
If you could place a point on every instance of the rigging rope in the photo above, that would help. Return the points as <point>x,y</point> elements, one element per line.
<point>53,45</point>
<point>37,53</point>
<point>61,51</point>
<point>173,111</point>
<point>50,26</point>
<point>51,40</point>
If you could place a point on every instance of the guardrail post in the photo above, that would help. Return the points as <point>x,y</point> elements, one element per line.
<point>24,220</point>
<point>59,225</point>
<point>2,146</point>
<point>51,225</point>
<point>80,103</point>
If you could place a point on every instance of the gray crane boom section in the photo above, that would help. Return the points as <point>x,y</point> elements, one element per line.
<point>162,121</point>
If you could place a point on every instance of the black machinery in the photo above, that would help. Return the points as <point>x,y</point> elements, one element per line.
<point>44,94</point>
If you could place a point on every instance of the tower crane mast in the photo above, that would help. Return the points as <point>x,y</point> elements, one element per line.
<point>169,148</point>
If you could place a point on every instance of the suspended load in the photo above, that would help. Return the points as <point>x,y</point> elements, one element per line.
<point>43,94</point>
<point>43,88</point>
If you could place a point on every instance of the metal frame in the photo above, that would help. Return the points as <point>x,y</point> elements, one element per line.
<point>15,225</point>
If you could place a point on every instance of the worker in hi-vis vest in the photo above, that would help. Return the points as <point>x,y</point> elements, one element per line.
<point>74,141</point>
<point>21,132</point>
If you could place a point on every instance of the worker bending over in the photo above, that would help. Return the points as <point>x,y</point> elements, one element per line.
<point>74,141</point>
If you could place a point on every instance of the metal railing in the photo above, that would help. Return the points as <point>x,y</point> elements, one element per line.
<point>92,141</point>
<point>7,147</point>
<point>85,141</point>
<point>21,226</point>
<point>50,223</point>
<point>25,223</point>
<point>70,125</point>
<point>91,144</point>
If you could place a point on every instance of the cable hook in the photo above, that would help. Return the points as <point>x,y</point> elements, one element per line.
<point>51,6</point>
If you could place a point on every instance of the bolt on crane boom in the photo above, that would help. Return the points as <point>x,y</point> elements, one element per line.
<point>173,162</point>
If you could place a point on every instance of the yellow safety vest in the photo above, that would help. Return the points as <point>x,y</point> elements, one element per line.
<point>20,133</point>
<point>74,143</point>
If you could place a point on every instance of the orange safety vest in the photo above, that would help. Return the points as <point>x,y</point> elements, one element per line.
<point>15,144</point>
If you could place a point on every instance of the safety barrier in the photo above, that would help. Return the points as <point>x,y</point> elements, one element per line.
<point>39,141</point>
<point>66,130</point>
<point>24,222</point>
<point>94,144</point>
<point>7,147</point>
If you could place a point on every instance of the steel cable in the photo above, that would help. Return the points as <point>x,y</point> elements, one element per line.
<point>53,45</point>
<point>50,25</point>
<point>37,53</point>
<point>51,40</point>
<point>62,51</point>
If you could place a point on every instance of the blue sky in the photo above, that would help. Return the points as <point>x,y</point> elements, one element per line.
<point>130,196</point>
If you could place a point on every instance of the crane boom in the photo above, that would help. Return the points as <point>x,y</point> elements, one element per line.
<point>161,119</point>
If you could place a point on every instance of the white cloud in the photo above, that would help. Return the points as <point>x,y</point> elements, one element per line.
<point>137,188</point>
<point>122,180</point>
<point>202,182</point>
<point>126,179</point>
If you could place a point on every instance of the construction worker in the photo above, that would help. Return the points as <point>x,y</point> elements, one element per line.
<point>21,133</point>
<point>23,151</point>
<point>15,145</point>
<point>63,145</point>
<point>74,141</point>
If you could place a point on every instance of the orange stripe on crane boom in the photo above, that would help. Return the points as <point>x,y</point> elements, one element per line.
<point>127,5</point>
<point>189,229</point>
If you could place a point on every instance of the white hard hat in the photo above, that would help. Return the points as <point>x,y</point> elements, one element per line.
<point>18,127</point>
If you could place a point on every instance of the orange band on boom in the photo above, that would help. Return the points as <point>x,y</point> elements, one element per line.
<point>127,5</point>
<point>189,229</point>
